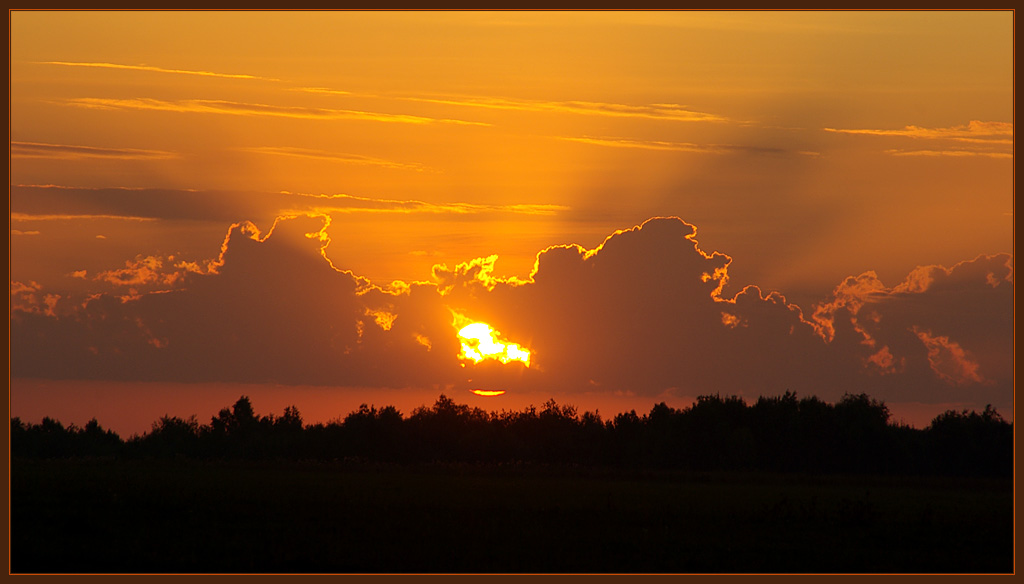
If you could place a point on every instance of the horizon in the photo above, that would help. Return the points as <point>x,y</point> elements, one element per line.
<point>135,415</point>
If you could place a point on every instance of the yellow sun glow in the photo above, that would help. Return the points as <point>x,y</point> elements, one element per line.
<point>488,392</point>
<point>480,341</point>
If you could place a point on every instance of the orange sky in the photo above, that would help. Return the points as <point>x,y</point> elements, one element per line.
<point>807,147</point>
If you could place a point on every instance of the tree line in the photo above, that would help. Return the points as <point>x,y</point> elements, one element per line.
<point>775,434</point>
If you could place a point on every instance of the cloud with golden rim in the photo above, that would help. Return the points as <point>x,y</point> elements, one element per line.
<point>645,312</point>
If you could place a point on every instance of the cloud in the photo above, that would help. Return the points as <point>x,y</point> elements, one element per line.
<point>646,145</point>
<point>270,309</point>
<point>956,153</point>
<point>69,152</point>
<point>323,90</point>
<point>975,131</point>
<point>948,359</point>
<point>213,106</point>
<point>977,138</point>
<point>334,157</point>
<point>645,313</point>
<point>477,271</point>
<point>27,298</point>
<point>351,204</point>
<point>152,69</point>
<point>141,271</point>
<point>670,146</point>
<point>23,217</point>
<point>642,314</point>
<point>51,202</point>
<point>947,328</point>
<point>657,111</point>
<point>20,232</point>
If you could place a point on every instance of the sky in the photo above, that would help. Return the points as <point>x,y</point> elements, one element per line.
<point>308,207</point>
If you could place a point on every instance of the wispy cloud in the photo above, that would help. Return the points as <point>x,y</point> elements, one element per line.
<point>669,146</point>
<point>644,144</point>
<point>71,152</point>
<point>74,217</point>
<point>986,139</point>
<point>257,109</point>
<point>156,70</point>
<point>324,90</point>
<point>50,202</point>
<point>655,111</point>
<point>333,156</point>
<point>954,153</point>
<point>975,131</point>
<point>350,203</point>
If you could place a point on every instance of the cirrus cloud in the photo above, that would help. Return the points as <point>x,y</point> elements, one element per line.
<point>71,152</point>
<point>976,138</point>
<point>152,69</point>
<point>236,108</point>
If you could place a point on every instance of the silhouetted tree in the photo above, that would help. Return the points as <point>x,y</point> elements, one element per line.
<point>95,441</point>
<point>779,433</point>
<point>862,424</point>
<point>665,438</point>
<point>969,443</point>
<point>171,437</point>
<point>717,432</point>
<point>776,426</point>
<point>233,432</point>
<point>450,432</point>
<point>372,433</point>
<point>626,439</point>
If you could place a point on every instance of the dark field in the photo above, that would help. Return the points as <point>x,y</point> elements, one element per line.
<point>156,516</point>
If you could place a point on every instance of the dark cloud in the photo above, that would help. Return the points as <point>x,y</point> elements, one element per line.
<point>271,308</point>
<point>643,313</point>
<point>951,328</point>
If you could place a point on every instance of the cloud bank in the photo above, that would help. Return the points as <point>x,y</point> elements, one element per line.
<point>641,314</point>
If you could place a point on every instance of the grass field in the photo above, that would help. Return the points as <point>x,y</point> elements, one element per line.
<point>148,516</point>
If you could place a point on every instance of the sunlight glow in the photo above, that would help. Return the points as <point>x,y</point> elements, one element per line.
<point>488,392</point>
<point>480,341</point>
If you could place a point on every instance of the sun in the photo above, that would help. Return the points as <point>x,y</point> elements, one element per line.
<point>488,392</point>
<point>480,341</point>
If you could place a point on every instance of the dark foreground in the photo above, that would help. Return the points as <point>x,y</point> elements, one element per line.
<point>87,516</point>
